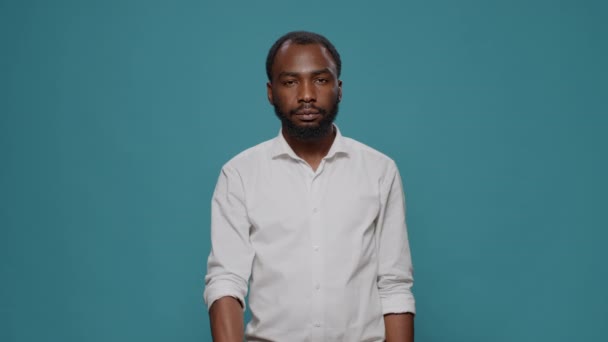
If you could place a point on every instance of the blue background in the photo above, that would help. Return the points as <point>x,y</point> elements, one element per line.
<point>116,117</point>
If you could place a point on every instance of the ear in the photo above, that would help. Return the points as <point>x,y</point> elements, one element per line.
<point>269,92</point>
<point>339,90</point>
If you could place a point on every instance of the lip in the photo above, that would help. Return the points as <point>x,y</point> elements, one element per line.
<point>307,111</point>
<point>307,115</point>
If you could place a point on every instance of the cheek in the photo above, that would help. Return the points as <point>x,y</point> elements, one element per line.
<point>332,91</point>
<point>282,99</point>
<point>332,95</point>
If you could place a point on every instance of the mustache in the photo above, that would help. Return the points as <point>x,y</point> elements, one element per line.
<point>308,107</point>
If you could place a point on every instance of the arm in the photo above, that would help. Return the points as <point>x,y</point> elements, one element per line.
<point>399,327</point>
<point>395,271</point>
<point>230,259</point>
<point>226,315</point>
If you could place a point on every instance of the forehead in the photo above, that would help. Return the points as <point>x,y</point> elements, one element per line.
<point>302,58</point>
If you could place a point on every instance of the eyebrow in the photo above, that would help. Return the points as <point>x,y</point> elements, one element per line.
<point>295,74</point>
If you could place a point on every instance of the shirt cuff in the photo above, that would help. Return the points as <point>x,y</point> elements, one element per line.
<point>398,303</point>
<point>217,291</point>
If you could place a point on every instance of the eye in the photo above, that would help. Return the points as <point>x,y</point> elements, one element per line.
<point>289,83</point>
<point>321,80</point>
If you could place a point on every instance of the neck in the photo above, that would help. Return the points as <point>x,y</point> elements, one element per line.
<point>314,150</point>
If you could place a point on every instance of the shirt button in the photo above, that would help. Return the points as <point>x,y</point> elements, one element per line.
<point>316,248</point>
<point>314,210</point>
<point>317,287</point>
<point>317,325</point>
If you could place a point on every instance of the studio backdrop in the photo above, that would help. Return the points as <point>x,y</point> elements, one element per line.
<point>116,117</point>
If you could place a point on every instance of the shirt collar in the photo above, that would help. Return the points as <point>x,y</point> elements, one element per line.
<point>281,147</point>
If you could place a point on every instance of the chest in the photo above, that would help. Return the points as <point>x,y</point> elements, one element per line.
<point>286,201</point>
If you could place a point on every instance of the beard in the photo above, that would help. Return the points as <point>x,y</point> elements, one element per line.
<point>324,127</point>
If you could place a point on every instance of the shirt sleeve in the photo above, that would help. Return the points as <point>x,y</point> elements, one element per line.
<point>231,256</point>
<point>395,271</point>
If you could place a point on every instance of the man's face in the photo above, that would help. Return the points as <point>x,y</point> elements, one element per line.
<point>305,90</point>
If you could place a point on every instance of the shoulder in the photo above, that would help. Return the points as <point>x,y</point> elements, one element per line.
<point>369,155</point>
<point>251,156</point>
<point>376,165</point>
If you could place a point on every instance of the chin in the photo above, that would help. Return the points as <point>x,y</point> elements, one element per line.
<point>305,124</point>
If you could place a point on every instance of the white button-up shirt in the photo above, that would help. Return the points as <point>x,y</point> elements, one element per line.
<point>325,252</point>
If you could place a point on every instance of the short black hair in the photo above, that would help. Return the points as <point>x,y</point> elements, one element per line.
<point>302,38</point>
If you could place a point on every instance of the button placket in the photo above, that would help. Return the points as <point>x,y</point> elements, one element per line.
<point>316,233</point>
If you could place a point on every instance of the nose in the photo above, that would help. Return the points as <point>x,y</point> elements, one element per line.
<point>307,92</point>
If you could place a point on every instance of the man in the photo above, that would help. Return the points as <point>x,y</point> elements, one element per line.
<point>312,221</point>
